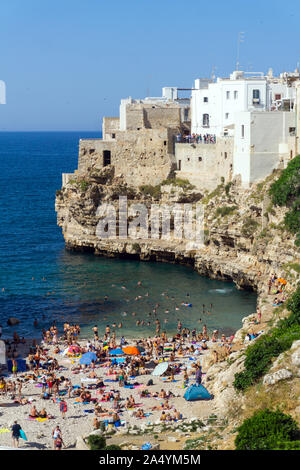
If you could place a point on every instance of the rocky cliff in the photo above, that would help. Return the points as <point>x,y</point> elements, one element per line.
<point>244,238</point>
<point>244,241</point>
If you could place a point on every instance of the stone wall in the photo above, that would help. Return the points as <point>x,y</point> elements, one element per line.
<point>153,116</point>
<point>110,126</point>
<point>205,164</point>
<point>141,157</point>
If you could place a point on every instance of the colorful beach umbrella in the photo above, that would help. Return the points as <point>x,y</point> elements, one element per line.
<point>87,358</point>
<point>74,349</point>
<point>131,351</point>
<point>116,352</point>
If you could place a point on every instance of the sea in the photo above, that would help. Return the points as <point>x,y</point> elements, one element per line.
<point>40,280</point>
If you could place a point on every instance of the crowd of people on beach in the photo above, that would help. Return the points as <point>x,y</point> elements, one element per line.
<point>117,379</point>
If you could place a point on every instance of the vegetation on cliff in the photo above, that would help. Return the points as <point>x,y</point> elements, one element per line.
<point>259,356</point>
<point>286,192</point>
<point>268,430</point>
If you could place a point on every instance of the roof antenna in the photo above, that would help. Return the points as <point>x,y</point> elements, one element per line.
<point>240,39</point>
<point>213,76</point>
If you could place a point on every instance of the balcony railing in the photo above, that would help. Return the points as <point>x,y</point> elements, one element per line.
<point>196,139</point>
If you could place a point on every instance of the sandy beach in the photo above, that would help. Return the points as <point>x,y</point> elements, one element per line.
<point>79,416</point>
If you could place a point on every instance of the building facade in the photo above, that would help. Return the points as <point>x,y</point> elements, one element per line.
<point>258,114</point>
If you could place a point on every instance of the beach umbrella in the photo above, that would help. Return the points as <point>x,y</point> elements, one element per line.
<point>282,281</point>
<point>197,392</point>
<point>74,349</point>
<point>87,358</point>
<point>131,351</point>
<point>160,368</point>
<point>116,352</point>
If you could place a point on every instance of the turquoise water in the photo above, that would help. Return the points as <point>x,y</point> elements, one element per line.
<point>40,279</point>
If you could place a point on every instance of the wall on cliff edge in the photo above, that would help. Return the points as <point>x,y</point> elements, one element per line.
<point>142,157</point>
<point>205,165</point>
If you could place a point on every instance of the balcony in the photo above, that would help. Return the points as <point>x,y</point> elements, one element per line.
<point>196,139</point>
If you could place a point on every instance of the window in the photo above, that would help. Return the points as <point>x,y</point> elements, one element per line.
<point>205,99</point>
<point>106,157</point>
<point>113,136</point>
<point>277,97</point>
<point>179,165</point>
<point>199,159</point>
<point>243,131</point>
<point>255,96</point>
<point>236,94</point>
<point>292,131</point>
<point>205,120</point>
<point>226,115</point>
<point>227,95</point>
<point>225,155</point>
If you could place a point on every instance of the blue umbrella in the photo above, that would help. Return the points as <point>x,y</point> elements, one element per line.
<point>87,358</point>
<point>116,352</point>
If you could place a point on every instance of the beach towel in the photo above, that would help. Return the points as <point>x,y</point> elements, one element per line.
<point>23,435</point>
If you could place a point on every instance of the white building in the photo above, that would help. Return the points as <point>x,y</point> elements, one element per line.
<point>214,104</point>
<point>257,111</point>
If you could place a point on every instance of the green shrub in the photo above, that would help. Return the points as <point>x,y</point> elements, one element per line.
<point>113,447</point>
<point>259,355</point>
<point>227,187</point>
<point>265,430</point>
<point>292,218</point>
<point>286,192</point>
<point>84,185</point>
<point>149,190</point>
<point>181,182</point>
<point>286,189</point>
<point>96,442</point>
<point>249,227</point>
<point>288,445</point>
<point>226,210</point>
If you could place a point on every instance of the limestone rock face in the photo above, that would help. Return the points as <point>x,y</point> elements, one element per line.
<point>282,374</point>
<point>80,444</point>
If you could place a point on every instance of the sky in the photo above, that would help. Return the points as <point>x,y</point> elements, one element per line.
<point>68,63</point>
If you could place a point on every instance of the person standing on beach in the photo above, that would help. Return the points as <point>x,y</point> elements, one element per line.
<point>14,367</point>
<point>15,429</point>
<point>63,408</point>
<point>56,433</point>
<point>58,443</point>
<point>198,375</point>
